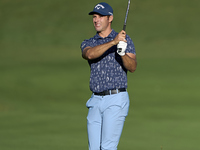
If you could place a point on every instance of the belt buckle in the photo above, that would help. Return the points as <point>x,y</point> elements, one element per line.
<point>114,91</point>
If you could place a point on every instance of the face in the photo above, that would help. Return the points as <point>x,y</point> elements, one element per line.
<point>101,23</point>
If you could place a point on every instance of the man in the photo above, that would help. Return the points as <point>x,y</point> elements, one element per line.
<point>109,103</point>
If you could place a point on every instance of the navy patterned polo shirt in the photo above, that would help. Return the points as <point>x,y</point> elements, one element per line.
<point>107,71</point>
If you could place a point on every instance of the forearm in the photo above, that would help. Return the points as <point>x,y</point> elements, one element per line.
<point>129,62</point>
<point>97,51</point>
<point>90,53</point>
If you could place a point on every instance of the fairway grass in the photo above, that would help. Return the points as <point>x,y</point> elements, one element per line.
<point>42,109</point>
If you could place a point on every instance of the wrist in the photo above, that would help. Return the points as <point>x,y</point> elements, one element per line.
<point>122,54</point>
<point>113,43</point>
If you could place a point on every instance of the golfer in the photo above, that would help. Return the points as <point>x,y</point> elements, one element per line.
<point>110,56</point>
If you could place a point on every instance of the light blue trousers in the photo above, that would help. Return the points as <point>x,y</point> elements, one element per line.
<point>105,120</point>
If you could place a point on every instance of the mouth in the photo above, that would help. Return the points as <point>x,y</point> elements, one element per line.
<point>97,25</point>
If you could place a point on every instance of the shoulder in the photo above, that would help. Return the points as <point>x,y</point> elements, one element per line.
<point>130,45</point>
<point>129,40</point>
<point>128,37</point>
<point>87,42</point>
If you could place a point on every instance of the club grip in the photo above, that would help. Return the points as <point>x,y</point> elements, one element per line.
<point>124,27</point>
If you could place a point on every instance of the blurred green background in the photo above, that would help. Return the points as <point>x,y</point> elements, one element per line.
<point>44,82</point>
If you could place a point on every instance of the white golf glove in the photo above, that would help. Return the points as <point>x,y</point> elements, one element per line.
<point>121,47</point>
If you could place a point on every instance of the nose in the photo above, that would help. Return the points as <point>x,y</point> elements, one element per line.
<point>96,19</point>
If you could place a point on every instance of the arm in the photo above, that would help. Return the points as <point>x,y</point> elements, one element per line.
<point>129,58</point>
<point>95,52</point>
<point>129,61</point>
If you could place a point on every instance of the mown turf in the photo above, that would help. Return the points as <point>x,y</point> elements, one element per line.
<point>44,82</point>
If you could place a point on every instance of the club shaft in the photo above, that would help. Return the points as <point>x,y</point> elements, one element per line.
<point>124,27</point>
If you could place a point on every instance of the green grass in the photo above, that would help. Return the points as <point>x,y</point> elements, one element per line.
<point>44,82</point>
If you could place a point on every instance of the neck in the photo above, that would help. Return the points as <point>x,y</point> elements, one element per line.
<point>105,33</point>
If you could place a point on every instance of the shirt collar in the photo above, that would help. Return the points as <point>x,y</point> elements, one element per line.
<point>112,34</point>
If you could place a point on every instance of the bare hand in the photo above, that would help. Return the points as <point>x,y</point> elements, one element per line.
<point>120,37</point>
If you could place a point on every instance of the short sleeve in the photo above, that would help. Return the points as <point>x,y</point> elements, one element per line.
<point>85,44</point>
<point>130,45</point>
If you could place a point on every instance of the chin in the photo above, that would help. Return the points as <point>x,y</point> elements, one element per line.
<point>98,29</point>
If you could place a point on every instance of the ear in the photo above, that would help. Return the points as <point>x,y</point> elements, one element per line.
<point>111,18</point>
